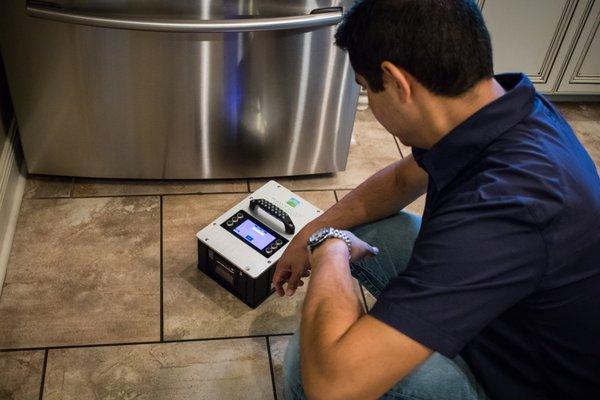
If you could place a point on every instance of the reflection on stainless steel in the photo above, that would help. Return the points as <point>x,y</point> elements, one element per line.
<point>231,25</point>
<point>127,103</point>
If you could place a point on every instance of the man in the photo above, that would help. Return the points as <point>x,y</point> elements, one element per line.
<point>496,293</point>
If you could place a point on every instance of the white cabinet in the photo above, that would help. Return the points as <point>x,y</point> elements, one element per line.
<point>527,36</point>
<point>582,74</point>
<point>554,42</point>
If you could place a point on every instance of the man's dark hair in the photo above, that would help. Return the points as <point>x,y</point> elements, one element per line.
<point>444,44</point>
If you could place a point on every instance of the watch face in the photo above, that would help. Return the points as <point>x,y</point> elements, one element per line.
<point>318,236</point>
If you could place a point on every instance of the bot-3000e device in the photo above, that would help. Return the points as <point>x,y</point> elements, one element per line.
<point>239,249</point>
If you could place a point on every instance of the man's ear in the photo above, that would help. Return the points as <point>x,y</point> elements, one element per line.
<point>398,79</point>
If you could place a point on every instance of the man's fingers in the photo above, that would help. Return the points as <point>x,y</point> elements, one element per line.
<point>279,278</point>
<point>293,281</point>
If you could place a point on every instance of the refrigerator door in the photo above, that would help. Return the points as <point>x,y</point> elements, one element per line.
<point>186,89</point>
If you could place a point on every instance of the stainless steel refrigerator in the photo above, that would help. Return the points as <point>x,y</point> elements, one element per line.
<point>179,88</point>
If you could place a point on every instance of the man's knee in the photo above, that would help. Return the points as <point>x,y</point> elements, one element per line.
<point>292,376</point>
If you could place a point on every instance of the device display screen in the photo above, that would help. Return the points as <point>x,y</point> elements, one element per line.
<point>254,234</point>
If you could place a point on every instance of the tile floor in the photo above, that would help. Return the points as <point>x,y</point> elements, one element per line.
<point>102,298</point>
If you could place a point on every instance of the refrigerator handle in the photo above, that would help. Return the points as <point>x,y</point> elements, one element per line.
<point>316,18</point>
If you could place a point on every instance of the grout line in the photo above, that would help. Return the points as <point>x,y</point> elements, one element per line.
<point>325,189</point>
<point>43,374</point>
<point>138,195</point>
<point>162,324</point>
<point>49,198</point>
<point>398,147</point>
<point>271,368</point>
<point>82,346</point>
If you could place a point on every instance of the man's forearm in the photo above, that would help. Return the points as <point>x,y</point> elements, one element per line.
<point>344,353</point>
<point>383,194</point>
<point>331,307</point>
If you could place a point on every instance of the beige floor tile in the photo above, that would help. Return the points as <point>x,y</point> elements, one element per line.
<point>585,120</point>
<point>322,199</point>
<point>48,186</point>
<point>588,133</point>
<point>21,374</point>
<point>580,111</point>
<point>215,369</point>
<point>369,298</point>
<point>109,187</point>
<point>417,206</point>
<point>341,193</point>
<point>372,148</point>
<point>83,271</point>
<point>194,305</point>
<point>278,345</point>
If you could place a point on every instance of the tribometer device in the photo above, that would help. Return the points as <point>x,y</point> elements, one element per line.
<point>239,249</point>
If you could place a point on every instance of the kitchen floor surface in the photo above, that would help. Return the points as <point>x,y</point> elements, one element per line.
<point>102,298</point>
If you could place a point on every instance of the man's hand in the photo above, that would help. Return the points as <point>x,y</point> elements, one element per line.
<point>292,267</point>
<point>295,264</point>
<point>360,249</point>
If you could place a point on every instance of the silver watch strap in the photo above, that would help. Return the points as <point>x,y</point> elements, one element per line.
<point>336,233</point>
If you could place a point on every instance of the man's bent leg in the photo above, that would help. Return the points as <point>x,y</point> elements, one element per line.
<point>438,377</point>
<point>292,377</point>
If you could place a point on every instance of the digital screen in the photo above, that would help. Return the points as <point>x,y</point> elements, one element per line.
<point>254,234</point>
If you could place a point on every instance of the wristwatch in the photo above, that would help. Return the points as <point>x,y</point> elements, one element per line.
<point>323,234</point>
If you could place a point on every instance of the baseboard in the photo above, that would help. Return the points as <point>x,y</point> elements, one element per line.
<point>573,97</point>
<point>12,187</point>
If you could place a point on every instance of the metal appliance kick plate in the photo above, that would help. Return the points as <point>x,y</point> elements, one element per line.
<point>254,262</point>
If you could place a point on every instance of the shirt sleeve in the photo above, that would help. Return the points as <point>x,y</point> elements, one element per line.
<point>469,264</point>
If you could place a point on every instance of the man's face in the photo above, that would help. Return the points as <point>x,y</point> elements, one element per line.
<point>386,108</point>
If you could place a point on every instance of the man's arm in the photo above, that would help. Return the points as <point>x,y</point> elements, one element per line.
<point>383,194</point>
<point>344,353</point>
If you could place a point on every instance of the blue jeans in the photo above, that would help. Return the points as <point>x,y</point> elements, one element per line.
<point>438,378</point>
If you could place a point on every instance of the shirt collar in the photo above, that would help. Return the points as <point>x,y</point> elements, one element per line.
<point>454,151</point>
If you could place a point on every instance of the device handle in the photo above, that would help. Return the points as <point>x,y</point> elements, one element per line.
<point>275,212</point>
<point>317,18</point>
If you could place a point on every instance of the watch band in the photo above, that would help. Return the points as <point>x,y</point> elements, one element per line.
<point>336,233</point>
<point>332,233</point>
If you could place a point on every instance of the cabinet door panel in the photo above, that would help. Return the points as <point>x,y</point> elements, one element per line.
<point>582,74</point>
<point>527,36</point>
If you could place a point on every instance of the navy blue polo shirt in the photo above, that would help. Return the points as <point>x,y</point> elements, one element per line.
<point>505,270</point>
